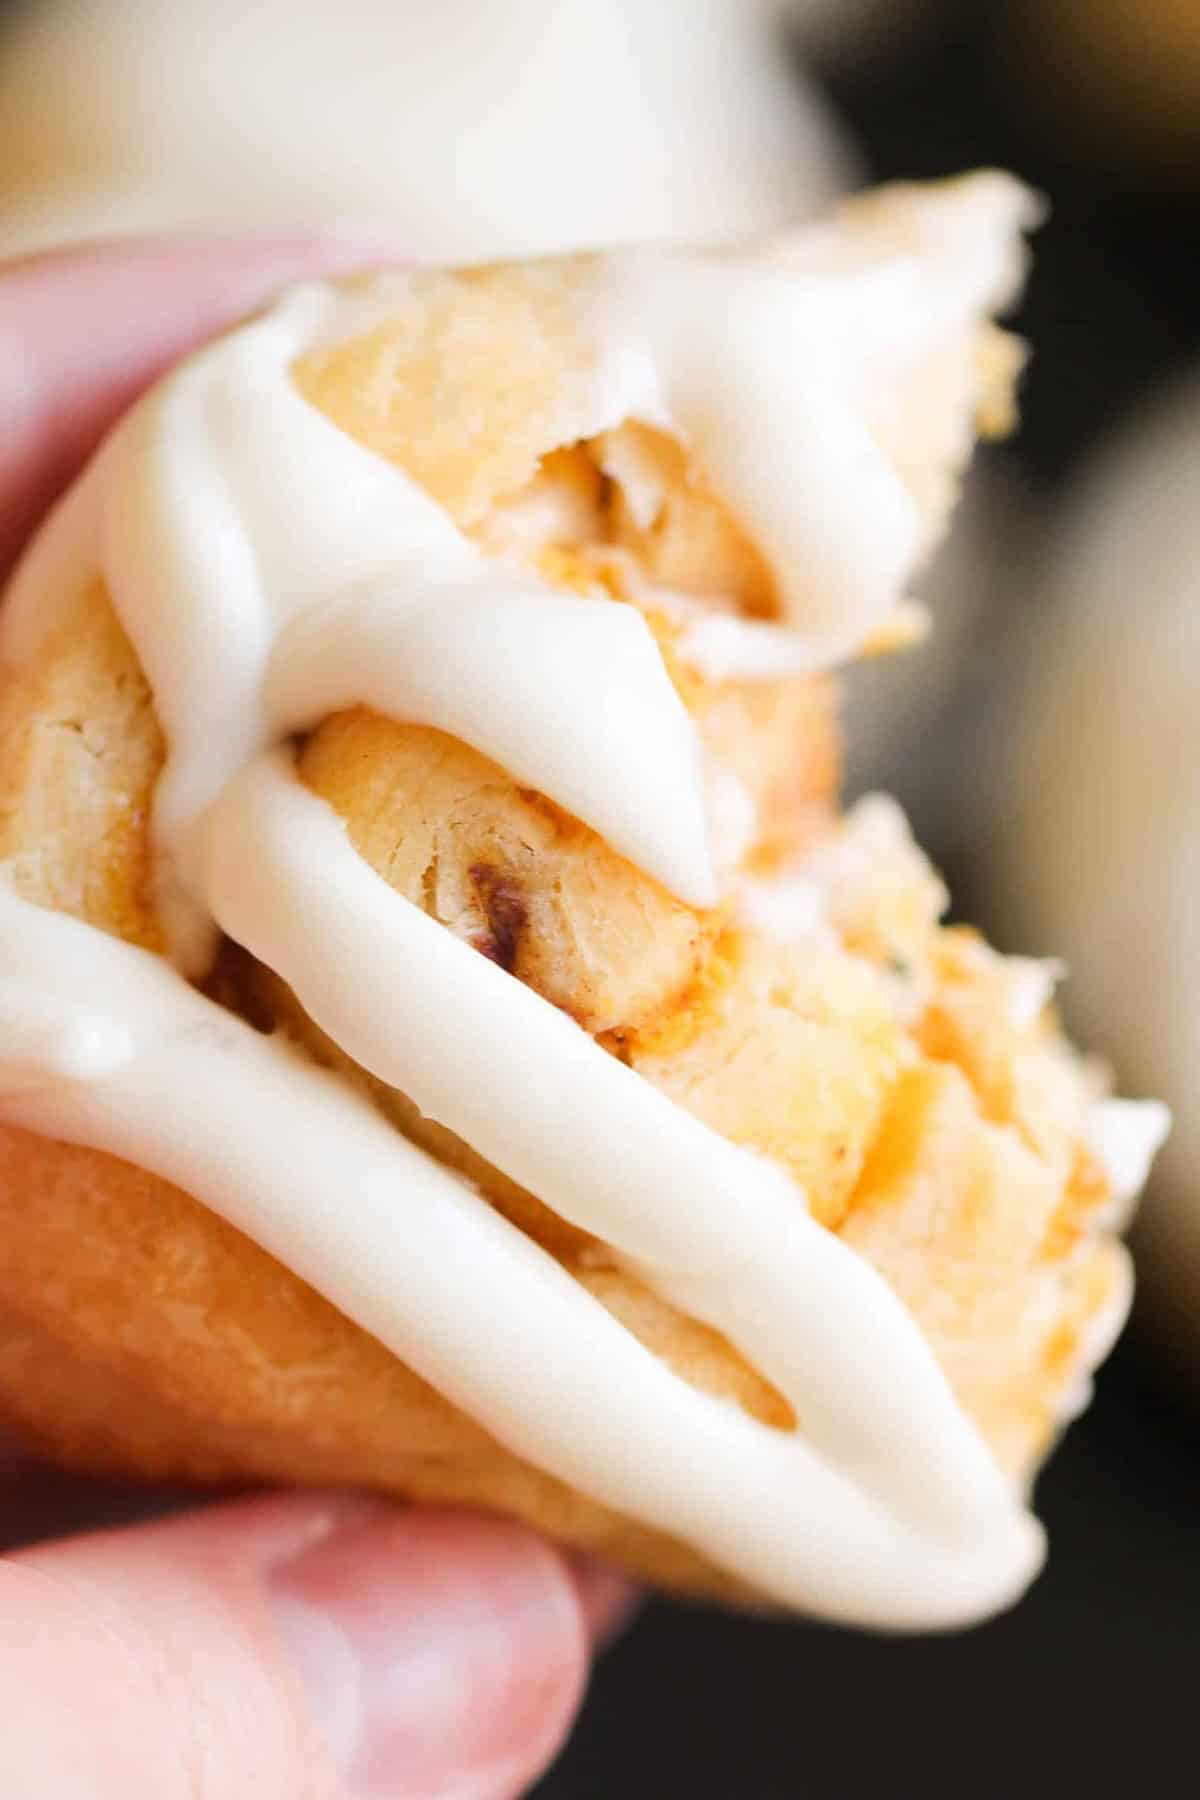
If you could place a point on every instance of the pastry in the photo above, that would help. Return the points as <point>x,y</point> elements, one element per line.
<point>451,1042</point>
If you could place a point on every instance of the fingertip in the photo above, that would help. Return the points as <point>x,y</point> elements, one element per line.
<point>441,1652</point>
<point>85,327</point>
<point>318,1637</point>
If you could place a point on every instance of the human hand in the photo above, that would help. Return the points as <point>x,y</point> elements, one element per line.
<point>295,1647</point>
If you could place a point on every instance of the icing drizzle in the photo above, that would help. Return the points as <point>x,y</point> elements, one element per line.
<point>268,570</point>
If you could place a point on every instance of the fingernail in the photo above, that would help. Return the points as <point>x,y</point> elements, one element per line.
<point>443,1654</point>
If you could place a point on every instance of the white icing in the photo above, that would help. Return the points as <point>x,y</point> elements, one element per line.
<point>1125,1137</point>
<point>1031,982</point>
<point>267,570</point>
<point>790,907</point>
<point>722,647</point>
<point>793,431</point>
<point>49,1038</point>
<point>733,818</point>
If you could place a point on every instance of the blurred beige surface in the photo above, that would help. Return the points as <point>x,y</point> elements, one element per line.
<point>474,128</point>
<point>1099,857</point>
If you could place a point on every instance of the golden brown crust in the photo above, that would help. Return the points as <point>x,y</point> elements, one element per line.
<point>139,1333</point>
<point>411,389</point>
<point>80,751</point>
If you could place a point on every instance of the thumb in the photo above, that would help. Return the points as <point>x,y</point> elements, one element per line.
<point>298,1648</point>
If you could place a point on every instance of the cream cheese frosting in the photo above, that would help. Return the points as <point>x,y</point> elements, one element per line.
<point>267,569</point>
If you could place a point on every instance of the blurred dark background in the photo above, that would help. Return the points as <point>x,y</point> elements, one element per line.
<point>1087,1687</point>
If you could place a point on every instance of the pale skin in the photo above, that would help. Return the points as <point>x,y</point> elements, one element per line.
<point>290,1647</point>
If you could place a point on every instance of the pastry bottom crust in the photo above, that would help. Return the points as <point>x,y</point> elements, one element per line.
<point>157,1342</point>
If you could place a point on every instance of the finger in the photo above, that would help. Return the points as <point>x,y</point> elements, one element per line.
<point>82,331</point>
<point>293,1648</point>
<point>609,1601</point>
<point>39,1502</point>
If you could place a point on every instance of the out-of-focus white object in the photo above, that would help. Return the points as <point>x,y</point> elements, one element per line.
<point>475,128</point>
<point>1099,854</point>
